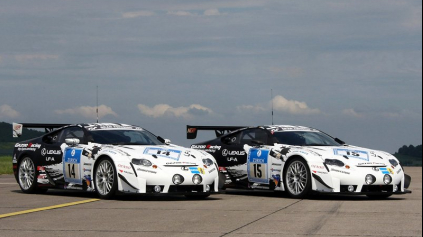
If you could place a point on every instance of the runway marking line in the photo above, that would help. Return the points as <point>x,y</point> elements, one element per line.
<point>47,208</point>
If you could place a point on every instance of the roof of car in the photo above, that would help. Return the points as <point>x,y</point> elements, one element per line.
<point>109,126</point>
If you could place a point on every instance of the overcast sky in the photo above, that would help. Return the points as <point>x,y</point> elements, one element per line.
<point>350,68</point>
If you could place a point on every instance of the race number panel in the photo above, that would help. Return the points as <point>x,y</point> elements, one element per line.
<point>165,153</point>
<point>72,165</point>
<point>354,154</point>
<point>258,166</point>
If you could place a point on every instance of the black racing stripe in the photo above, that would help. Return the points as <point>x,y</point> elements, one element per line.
<point>321,181</point>
<point>127,182</point>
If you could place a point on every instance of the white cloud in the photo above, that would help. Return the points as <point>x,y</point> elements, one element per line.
<point>6,111</point>
<point>181,13</point>
<point>352,113</point>
<point>88,111</point>
<point>30,57</point>
<point>282,104</point>
<point>212,12</point>
<point>165,110</point>
<point>138,14</point>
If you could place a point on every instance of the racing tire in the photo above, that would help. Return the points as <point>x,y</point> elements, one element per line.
<point>297,178</point>
<point>105,179</point>
<point>197,197</point>
<point>27,176</point>
<point>379,196</point>
<point>222,182</point>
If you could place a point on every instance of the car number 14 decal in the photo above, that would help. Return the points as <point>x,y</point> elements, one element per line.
<point>258,166</point>
<point>72,165</point>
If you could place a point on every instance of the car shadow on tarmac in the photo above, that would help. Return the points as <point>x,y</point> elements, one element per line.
<point>181,198</point>
<point>120,196</point>
<point>314,197</point>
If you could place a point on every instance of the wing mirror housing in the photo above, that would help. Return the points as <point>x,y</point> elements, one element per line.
<point>72,142</point>
<point>165,141</point>
<point>257,142</point>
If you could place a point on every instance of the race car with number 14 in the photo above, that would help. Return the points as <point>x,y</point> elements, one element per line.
<point>108,158</point>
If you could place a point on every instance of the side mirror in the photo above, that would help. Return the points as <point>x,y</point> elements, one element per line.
<point>340,141</point>
<point>257,142</point>
<point>165,141</point>
<point>227,140</point>
<point>72,141</point>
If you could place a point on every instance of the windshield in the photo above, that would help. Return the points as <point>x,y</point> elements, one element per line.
<point>125,137</point>
<point>302,138</point>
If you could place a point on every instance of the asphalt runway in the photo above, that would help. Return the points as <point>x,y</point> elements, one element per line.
<point>237,213</point>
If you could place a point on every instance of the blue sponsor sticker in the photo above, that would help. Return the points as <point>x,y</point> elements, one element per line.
<point>194,170</point>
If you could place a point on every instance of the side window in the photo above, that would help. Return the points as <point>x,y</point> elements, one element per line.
<point>251,135</point>
<point>233,139</point>
<point>73,132</point>
<point>53,138</point>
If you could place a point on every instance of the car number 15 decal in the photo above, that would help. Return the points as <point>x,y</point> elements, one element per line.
<point>72,165</point>
<point>258,166</point>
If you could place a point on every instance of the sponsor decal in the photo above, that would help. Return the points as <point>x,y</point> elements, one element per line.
<point>147,171</point>
<point>15,160</point>
<point>226,152</point>
<point>124,167</point>
<point>387,171</point>
<point>27,147</point>
<point>201,147</point>
<point>195,170</point>
<point>45,152</point>
<point>50,159</point>
<point>232,159</point>
<point>318,167</point>
<point>340,171</point>
<point>276,179</point>
<point>192,130</point>
<point>399,171</point>
<point>371,164</point>
<point>211,171</point>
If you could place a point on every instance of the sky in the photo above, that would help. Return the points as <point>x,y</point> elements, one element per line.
<point>350,68</point>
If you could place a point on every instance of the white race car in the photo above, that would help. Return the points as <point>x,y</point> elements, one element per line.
<point>301,160</point>
<point>109,158</point>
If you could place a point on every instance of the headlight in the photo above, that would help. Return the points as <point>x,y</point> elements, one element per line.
<point>334,163</point>
<point>208,162</point>
<point>178,179</point>
<point>142,162</point>
<point>370,179</point>
<point>387,179</point>
<point>197,179</point>
<point>394,162</point>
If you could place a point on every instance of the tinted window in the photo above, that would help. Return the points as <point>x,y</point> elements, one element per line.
<point>124,137</point>
<point>248,136</point>
<point>297,138</point>
<point>73,132</point>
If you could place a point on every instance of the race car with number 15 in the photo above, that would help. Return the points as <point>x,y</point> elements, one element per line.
<point>301,160</point>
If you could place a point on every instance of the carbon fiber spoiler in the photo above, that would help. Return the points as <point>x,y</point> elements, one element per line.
<point>49,127</point>
<point>192,131</point>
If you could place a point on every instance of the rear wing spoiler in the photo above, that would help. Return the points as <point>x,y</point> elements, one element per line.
<point>192,131</point>
<point>18,127</point>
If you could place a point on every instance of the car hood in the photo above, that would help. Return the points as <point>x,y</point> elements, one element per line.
<point>353,155</point>
<point>161,155</point>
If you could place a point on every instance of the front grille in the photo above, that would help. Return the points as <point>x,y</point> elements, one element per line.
<point>377,188</point>
<point>186,189</point>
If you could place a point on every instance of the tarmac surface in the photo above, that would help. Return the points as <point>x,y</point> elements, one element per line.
<point>237,213</point>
